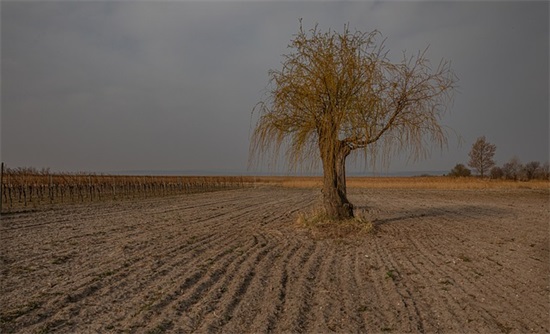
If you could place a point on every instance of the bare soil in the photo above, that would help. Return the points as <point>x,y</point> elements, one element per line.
<point>236,261</point>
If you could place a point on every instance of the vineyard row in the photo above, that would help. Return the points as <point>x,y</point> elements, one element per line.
<point>25,191</point>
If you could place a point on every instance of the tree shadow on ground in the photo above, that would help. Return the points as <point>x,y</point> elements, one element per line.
<point>449,213</point>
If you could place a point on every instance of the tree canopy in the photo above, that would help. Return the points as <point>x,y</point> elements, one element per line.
<point>339,94</point>
<point>481,156</point>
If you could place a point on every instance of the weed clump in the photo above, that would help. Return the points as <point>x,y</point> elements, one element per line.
<point>322,226</point>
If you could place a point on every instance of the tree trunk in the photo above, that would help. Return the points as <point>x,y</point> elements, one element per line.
<point>335,201</point>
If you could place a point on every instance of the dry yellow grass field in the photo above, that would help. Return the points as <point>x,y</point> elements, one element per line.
<point>420,182</point>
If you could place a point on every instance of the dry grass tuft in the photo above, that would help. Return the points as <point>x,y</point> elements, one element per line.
<point>321,226</point>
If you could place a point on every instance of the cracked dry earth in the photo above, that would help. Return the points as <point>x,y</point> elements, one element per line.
<point>235,261</point>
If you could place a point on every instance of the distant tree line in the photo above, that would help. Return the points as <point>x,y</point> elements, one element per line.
<point>481,160</point>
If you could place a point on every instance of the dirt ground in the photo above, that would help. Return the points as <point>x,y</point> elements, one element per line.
<point>235,261</point>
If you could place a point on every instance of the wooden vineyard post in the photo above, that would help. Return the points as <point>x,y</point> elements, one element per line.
<point>1,186</point>
<point>91,188</point>
<point>50,187</point>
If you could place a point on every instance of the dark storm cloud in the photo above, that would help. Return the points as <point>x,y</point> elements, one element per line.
<point>170,85</point>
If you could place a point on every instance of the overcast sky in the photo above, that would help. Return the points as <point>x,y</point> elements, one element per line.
<point>118,85</point>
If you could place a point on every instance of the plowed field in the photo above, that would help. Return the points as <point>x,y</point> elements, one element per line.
<point>235,261</point>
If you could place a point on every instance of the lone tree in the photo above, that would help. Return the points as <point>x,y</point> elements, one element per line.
<point>481,156</point>
<point>339,94</point>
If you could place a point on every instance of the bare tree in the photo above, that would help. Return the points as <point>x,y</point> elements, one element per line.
<point>481,156</point>
<point>532,169</point>
<point>545,171</point>
<point>496,173</point>
<point>512,169</point>
<point>337,95</point>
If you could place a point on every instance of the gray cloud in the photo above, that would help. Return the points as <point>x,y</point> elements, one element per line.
<point>170,85</point>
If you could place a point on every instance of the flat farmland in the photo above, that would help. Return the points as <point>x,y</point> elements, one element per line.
<point>467,260</point>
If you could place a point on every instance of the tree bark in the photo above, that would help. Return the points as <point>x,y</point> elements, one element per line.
<point>335,201</point>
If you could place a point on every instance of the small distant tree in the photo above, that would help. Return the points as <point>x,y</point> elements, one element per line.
<point>496,173</point>
<point>545,171</point>
<point>460,170</point>
<point>512,169</point>
<point>481,156</point>
<point>531,169</point>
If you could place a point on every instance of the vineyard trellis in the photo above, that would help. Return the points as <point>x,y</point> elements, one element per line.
<point>27,188</point>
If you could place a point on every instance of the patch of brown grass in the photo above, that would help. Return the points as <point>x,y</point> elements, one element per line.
<point>443,182</point>
<point>415,182</point>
